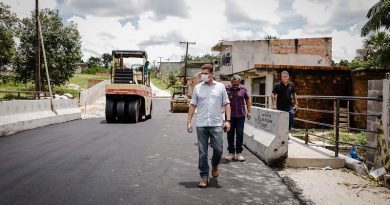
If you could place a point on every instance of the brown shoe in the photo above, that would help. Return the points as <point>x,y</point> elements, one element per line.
<point>215,172</point>
<point>203,183</point>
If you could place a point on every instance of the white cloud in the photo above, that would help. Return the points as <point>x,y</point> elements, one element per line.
<point>159,28</point>
<point>345,44</point>
<point>23,8</point>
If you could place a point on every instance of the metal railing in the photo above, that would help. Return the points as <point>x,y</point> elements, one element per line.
<point>28,94</point>
<point>264,101</point>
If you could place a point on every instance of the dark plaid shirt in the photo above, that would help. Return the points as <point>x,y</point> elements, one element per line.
<point>237,99</point>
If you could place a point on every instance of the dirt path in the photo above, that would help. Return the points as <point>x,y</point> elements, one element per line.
<point>339,186</point>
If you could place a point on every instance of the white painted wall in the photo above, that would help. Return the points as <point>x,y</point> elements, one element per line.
<point>245,54</point>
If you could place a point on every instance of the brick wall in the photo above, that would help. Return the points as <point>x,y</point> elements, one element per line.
<point>304,46</point>
<point>322,83</point>
<point>360,80</point>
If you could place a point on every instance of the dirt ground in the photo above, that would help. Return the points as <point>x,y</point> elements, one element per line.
<point>339,186</point>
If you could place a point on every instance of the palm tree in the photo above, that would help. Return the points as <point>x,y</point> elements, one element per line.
<point>379,16</point>
<point>377,47</point>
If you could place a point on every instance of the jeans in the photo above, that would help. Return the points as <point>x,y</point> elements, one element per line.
<point>237,126</point>
<point>215,135</point>
<point>291,116</point>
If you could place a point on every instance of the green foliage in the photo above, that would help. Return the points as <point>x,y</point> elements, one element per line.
<point>204,58</point>
<point>375,52</point>
<point>8,22</point>
<point>269,37</point>
<point>343,62</point>
<point>158,83</point>
<point>94,62</point>
<point>172,77</point>
<point>106,59</point>
<point>358,63</point>
<point>354,138</point>
<point>62,44</point>
<point>95,70</point>
<point>378,17</point>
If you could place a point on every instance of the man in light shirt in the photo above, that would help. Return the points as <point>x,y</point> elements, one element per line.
<point>208,97</point>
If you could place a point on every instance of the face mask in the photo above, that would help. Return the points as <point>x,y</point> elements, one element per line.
<point>204,78</point>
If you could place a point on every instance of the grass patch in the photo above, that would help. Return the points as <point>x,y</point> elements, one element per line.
<point>353,138</point>
<point>159,83</point>
<point>358,138</point>
<point>82,79</point>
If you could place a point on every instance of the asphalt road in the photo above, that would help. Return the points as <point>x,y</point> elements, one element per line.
<point>151,162</point>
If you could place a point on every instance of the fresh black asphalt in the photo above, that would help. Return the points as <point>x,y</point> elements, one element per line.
<point>152,162</point>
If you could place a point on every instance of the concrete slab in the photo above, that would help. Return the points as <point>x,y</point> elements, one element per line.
<point>303,156</point>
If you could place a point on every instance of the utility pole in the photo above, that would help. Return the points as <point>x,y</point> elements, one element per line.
<point>159,64</point>
<point>185,62</point>
<point>160,59</point>
<point>37,54</point>
<point>154,68</point>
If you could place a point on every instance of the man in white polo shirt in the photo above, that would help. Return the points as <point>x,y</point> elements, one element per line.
<point>208,98</point>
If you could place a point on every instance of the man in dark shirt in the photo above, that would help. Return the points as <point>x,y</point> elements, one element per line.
<point>284,95</point>
<point>239,99</point>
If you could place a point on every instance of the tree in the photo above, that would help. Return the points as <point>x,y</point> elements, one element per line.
<point>62,44</point>
<point>343,62</point>
<point>203,58</point>
<point>377,48</point>
<point>94,62</point>
<point>8,23</point>
<point>106,59</point>
<point>378,16</point>
<point>375,52</point>
<point>269,37</point>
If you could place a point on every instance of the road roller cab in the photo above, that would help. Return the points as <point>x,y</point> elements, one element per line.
<point>128,96</point>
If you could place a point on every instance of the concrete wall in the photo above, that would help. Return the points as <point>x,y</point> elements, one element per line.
<point>90,95</point>
<point>168,66</point>
<point>303,52</point>
<point>377,88</point>
<point>18,115</point>
<point>266,134</point>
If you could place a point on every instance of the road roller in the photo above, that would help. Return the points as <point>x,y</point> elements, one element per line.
<point>180,101</point>
<point>128,96</point>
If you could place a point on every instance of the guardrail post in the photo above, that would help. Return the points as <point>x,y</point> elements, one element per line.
<point>337,127</point>
<point>306,129</point>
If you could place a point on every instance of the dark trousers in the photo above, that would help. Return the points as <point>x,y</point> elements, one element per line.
<point>291,116</point>
<point>237,127</point>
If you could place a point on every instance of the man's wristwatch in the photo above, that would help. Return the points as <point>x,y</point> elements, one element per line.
<point>227,120</point>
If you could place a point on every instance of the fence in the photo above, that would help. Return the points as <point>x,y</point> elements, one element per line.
<point>27,94</point>
<point>264,101</point>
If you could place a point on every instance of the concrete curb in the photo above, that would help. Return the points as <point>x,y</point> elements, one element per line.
<point>350,163</point>
<point>18,115</point>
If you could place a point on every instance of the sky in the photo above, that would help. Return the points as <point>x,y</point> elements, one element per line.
<point>158,26</point>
